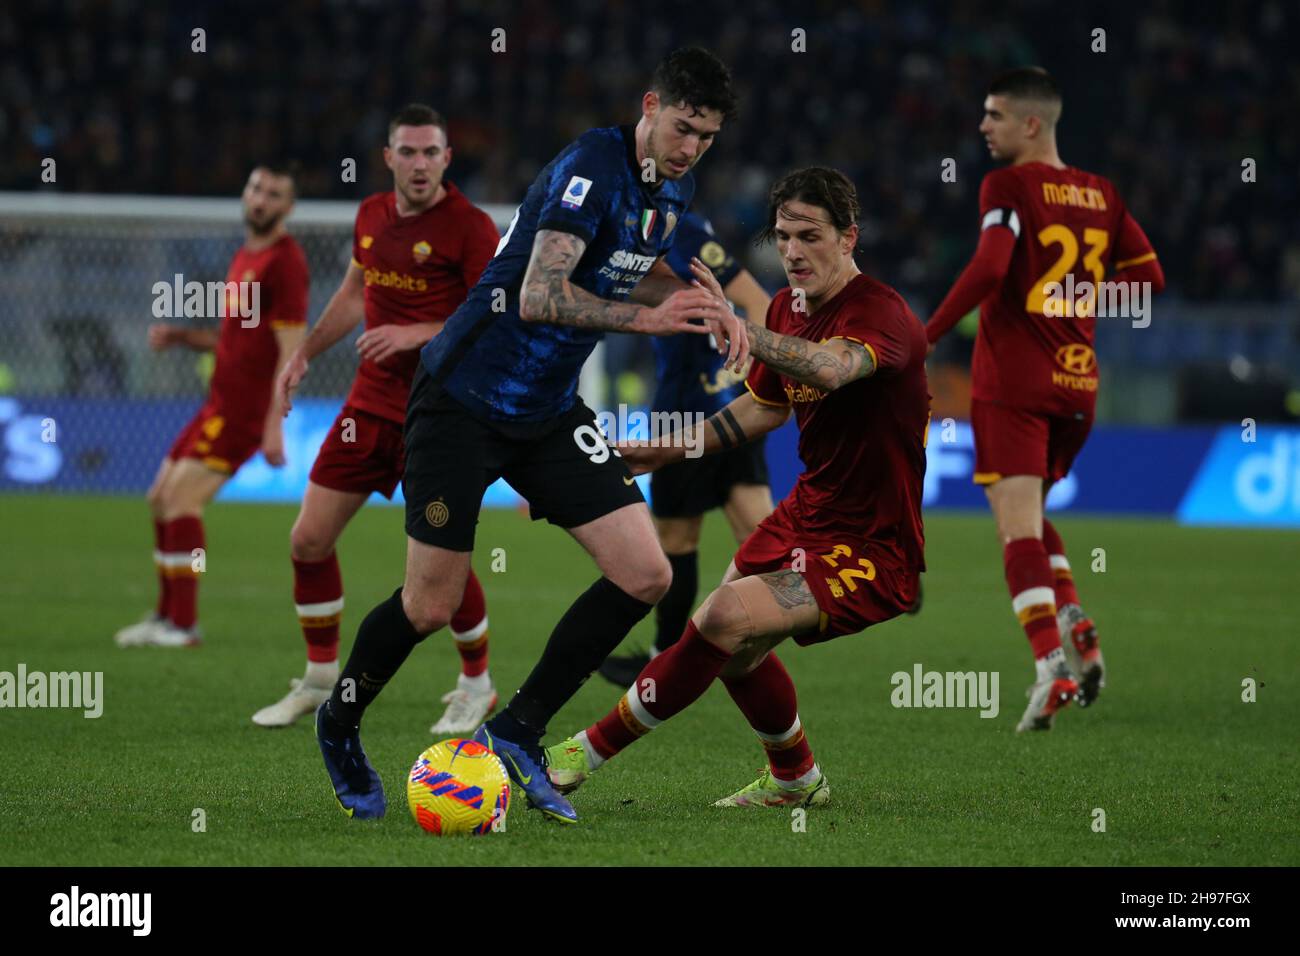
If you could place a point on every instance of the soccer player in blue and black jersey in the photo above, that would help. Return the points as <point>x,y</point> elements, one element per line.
<point>692,378</point>
<point>496,396</point>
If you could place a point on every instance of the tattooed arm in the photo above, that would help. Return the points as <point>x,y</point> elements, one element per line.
<point>548,295</point>
<point>828,366</point>
<point>743,420</point>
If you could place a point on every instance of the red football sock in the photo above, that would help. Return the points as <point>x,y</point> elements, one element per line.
<point>1033,597</point>
<point>164,582</point>
<point>670,683</point>
<point>469,628</point>
<point>182,535</point>
<point>318,599</point>
<point>1065,592</point>
<point>766,697</point>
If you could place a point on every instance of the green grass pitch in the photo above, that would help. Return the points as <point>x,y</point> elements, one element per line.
<point>1184,770</point>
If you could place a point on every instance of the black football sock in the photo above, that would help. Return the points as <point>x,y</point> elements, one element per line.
<point>672,613</point>
<point>384,640</point>
<point>593,626</point>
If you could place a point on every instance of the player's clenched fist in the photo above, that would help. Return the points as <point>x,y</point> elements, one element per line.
<point>641,457</point>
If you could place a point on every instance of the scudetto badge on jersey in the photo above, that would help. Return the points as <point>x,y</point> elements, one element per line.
<point>575,192</point>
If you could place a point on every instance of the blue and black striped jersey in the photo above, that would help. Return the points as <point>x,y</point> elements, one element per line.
<point>503,368</point>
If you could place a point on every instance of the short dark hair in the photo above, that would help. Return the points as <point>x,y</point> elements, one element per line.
<point>416,114</point>
<point>696,78</point>
<point>282,166</point>
<point>819,186</point>
<point>1026,83</point>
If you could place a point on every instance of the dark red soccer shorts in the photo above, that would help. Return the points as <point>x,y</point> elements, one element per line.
<point>362,453</point>
<point>856,583</point>
<point>1015,441</point>
<point>219,442</point>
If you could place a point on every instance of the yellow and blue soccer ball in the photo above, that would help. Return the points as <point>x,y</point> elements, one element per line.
<point>458,786</point>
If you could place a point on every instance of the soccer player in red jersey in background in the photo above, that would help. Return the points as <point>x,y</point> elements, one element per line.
<point>239,416</point>
<point>416,252</point>
<point>844,550</point>
<point>1034,372</point>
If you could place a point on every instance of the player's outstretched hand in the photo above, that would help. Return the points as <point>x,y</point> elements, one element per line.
<point>674,314</point>
<point>164,336</point>
<point>290,377</point>
<point>729,331</point>
<point>641,457</point>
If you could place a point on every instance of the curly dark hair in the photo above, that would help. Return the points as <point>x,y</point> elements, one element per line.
<point>819,186</point>
<point>694,77</point>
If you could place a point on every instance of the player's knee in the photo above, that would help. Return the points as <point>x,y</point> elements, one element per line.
<point>723,620</point>
<point>173,503</point>
<point>650,581</point>
<point>309,544</point>
<point>1012,527</point>
<point>425,612</point>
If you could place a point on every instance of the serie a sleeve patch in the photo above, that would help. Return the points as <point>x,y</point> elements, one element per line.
<point>575,194</point>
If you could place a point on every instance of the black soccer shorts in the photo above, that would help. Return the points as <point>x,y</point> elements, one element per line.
<point>563,467</point>
<point>695,486</point>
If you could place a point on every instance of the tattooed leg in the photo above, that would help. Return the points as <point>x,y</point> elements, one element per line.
<point>749,616</point>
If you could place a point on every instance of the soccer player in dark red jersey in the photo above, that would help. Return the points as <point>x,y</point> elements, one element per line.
<point>845,549</point>
<point>239,416</point>
<point>417,250</point>
<point>1045,227</point>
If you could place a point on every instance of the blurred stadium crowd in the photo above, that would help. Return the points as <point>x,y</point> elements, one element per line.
<point>1181,96</point>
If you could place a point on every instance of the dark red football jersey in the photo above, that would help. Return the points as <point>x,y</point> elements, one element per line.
<point>417,269</point>
<point>246,357</point>
<point>1071,227</point>
<point>863,445</point>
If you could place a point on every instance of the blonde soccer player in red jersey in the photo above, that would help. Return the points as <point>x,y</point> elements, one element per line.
<point>239,416</point>
<point>417,250</point>
<point>1046,228</point>
<point>844,551</point>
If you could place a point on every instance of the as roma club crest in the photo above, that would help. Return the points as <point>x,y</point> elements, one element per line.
<point>420,251</point>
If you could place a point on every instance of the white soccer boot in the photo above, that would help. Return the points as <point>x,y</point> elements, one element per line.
<point>467,707</point>
<point>305,695</point>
